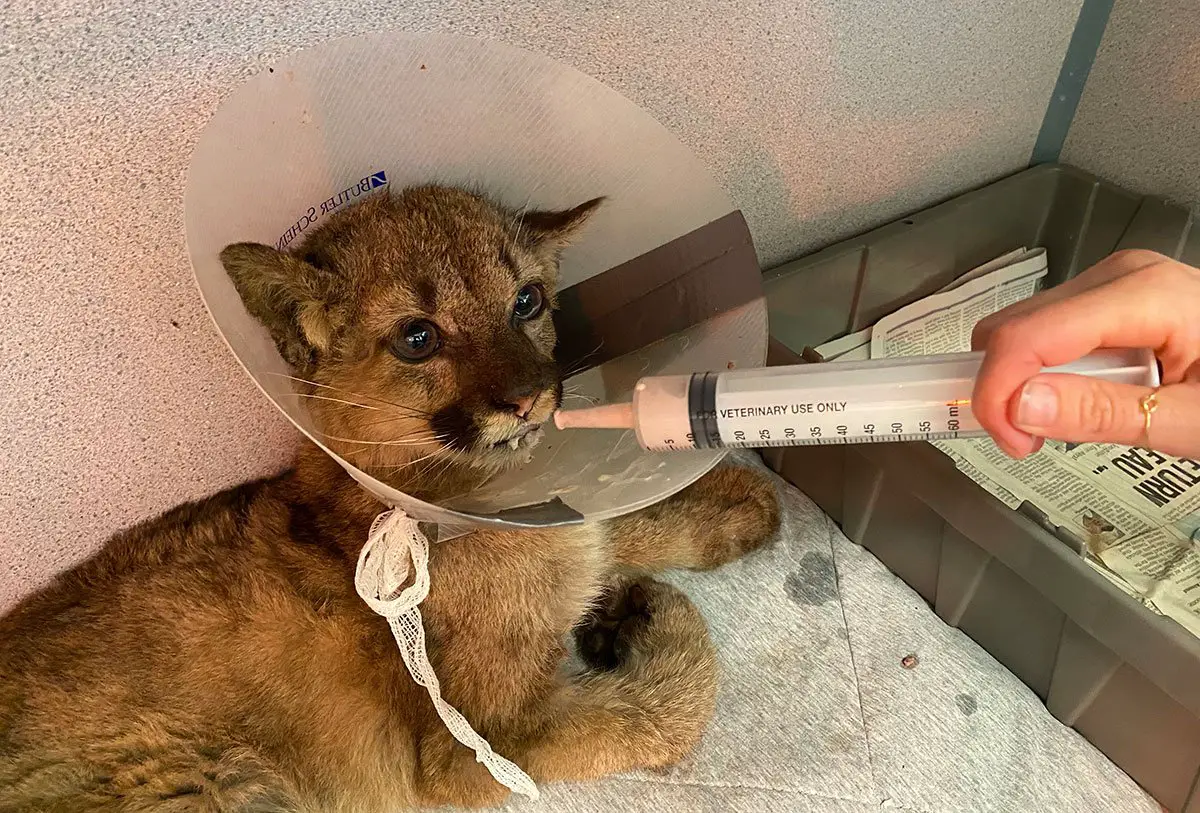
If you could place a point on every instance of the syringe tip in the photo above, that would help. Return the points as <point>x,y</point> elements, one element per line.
<point>609,416</point>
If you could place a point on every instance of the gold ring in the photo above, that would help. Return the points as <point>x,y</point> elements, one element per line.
<point>1148,404</point>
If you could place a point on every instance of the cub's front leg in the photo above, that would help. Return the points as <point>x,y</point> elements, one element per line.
<point>647,697</point>
<point>727,513</point>
<point>644,702</point>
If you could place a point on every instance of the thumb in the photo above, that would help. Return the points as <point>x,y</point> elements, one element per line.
<point>1082,409</point>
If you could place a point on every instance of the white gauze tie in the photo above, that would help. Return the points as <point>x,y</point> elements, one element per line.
<point>382,570</point>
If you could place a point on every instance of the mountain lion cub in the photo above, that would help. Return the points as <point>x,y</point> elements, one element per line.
<point>218,658</point>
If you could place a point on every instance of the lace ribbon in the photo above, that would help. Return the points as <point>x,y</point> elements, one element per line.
<point>396,540</point>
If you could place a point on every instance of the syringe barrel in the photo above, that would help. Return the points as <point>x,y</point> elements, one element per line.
<point>661,412</point>
<point>916,398</point>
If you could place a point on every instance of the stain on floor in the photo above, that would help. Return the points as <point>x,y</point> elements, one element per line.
<point>815,582</point>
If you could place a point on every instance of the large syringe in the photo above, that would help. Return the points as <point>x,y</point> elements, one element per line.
<point>915,398</point>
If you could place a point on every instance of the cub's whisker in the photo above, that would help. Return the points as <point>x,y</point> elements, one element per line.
<point>362,450</point>
<point>440,466</point>
<point>411,440</point>
<point>337,400</point>
<point>383,420</point>
<point>299,380</point>
<point>579,363</point>
<point>406,465</point>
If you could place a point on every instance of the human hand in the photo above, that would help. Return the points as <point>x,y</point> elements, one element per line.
<point>1131,299</point>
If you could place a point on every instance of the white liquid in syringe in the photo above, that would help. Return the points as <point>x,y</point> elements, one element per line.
<point>881,400</point>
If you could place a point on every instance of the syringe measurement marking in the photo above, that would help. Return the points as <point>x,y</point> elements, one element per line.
<point>834,441</point>
<point>870,432</point>
<point>895,428</point>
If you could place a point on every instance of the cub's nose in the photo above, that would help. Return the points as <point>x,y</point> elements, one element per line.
<point>520,401</point>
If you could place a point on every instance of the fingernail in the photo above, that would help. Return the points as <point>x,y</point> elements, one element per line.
<point>1038,408</point>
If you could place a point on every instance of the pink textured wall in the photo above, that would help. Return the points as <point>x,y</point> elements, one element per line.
<point>119,398</point>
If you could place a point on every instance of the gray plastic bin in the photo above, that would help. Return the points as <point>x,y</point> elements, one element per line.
<point>1126,679</point>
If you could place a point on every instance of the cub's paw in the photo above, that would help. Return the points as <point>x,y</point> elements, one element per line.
<point>638,621</point>
<point>670,671</point>
<point>734,511</point>
<point>654,661</point>
<point>604,636</point>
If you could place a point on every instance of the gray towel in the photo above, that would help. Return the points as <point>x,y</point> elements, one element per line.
<point>818,712</point>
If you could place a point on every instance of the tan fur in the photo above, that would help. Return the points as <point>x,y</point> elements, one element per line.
<point>217,658</point>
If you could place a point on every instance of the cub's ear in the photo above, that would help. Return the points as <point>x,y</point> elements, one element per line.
<point>293,299</point>
<point>550,231</point>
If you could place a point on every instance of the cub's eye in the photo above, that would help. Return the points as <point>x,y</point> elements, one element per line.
<point>531,300</point>
<point>417,340</point>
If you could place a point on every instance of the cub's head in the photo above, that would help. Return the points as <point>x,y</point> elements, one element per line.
<point>419,326</point>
